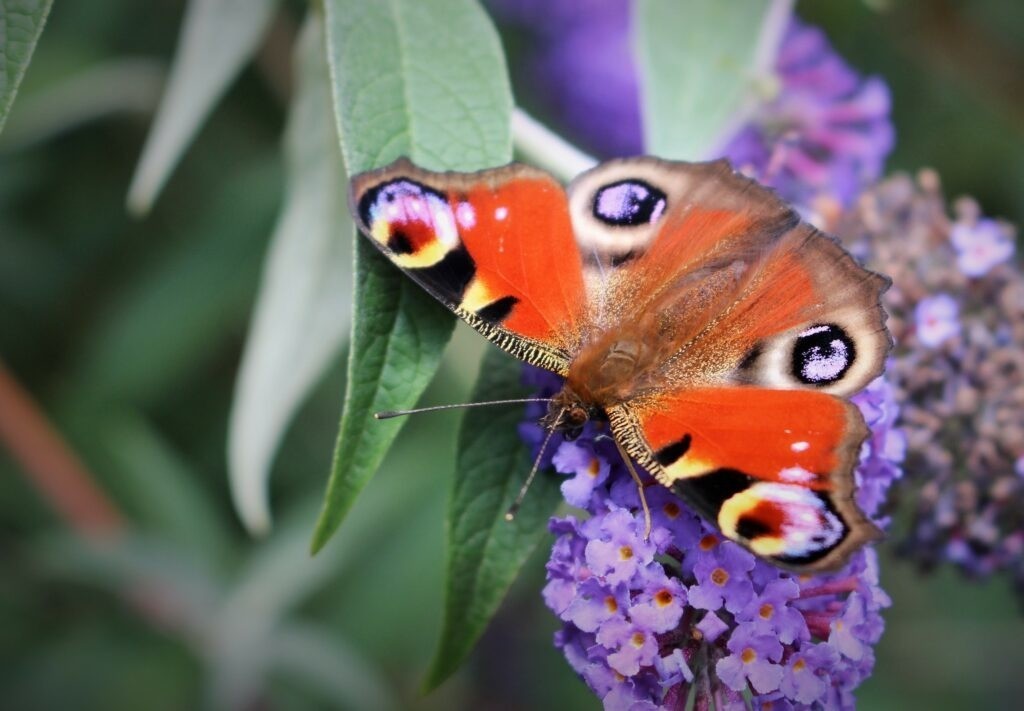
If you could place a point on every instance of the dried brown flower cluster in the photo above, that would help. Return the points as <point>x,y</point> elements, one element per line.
<point>957,316</point>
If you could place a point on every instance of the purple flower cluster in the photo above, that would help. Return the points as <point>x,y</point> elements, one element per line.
<point>579,66</point>
<point>684,616</point>
<point>956,311</point>
<point>827,132</point>
<point>823,137</point>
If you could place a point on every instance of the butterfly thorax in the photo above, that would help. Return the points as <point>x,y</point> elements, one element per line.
<point>613,366</point>
<point>606,372</point>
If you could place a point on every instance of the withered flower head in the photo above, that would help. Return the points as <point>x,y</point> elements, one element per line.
<point>957,315</point>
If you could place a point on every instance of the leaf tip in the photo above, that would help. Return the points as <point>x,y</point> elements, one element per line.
<point>321,534</point>
<point>257,522</point>
<point>139,200</point>
<point>438,674</point>
<point>249,494</point>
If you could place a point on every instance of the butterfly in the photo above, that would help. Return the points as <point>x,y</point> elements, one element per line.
<point>718,335</point>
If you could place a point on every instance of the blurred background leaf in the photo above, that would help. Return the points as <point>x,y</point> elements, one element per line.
<point>304,305</point>
<point>217,38</point>
<point>698,85</point>
<point>129,86</point>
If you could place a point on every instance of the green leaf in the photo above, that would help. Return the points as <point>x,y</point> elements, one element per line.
<point>217,38</point>
<point>303,309</point>
<point>21,23</point>
<point>704,64</point>
<point>425,80</point>
<point>485,552</point>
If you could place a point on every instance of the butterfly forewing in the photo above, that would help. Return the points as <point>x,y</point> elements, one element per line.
<point>496,247</point>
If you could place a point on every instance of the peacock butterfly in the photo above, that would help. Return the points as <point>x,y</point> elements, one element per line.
<point>718,334</point>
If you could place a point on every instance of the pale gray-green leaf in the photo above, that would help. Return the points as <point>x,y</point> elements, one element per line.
<point>21,23</point>
<point>428,81</point>
<point>280,574</point>
<point>157,485</point>
<point>324,662</point>
<point>117,86</point>
<point>304,305</point>
<point>702,64</point>
<point>217,38</point>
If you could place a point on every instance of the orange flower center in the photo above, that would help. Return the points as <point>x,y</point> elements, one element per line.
<point>625,553</point>
<point>719,577</point>
<point>671,509</point>
<point>610,604</point>
<point>637,640</point>
<point>766,611</point>
<point>708,542</point>
<point>663,598</point>
<point>594,468</point>
<point>748,655</point>
<point>799,665</point>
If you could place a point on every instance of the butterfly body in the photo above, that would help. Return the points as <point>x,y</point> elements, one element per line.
<point>718,334</point>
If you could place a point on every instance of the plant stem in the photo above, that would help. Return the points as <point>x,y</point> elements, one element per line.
<point>546,149</point>
<point>50,465</point>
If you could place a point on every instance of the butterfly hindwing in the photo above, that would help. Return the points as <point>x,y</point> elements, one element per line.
<point>771,468</point>
<point>496,247</point>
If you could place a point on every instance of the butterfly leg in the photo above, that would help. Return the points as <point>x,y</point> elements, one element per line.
<point>639,488</point>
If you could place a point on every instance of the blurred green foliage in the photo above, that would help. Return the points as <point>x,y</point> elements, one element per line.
<point>129,332</point>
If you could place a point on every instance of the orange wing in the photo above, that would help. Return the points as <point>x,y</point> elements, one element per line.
<point>771,468</point>
<point>496,247</point>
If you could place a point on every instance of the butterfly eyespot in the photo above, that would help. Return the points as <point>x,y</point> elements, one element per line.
<point>629,203</point>
<point>822,355</point>
<point>406,217</point>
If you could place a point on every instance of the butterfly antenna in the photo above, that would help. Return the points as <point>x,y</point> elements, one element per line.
<point>514,508</point>
<point>388,414</point>
<point>639,489</point>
